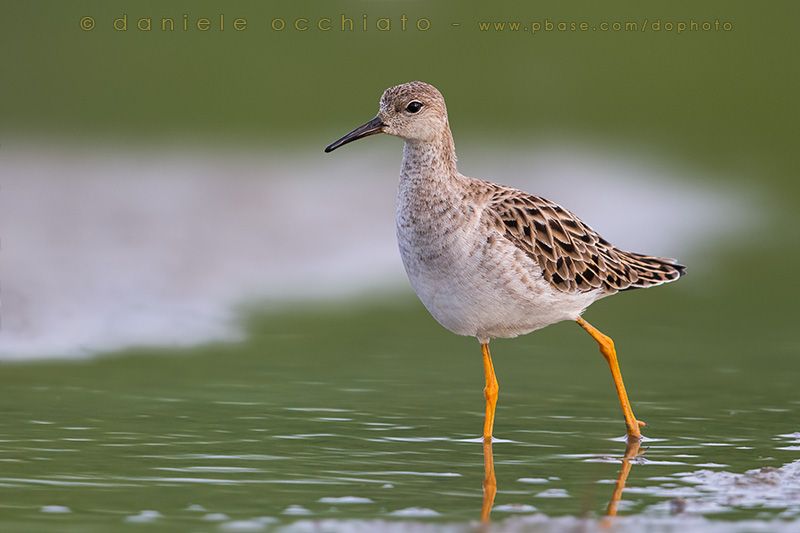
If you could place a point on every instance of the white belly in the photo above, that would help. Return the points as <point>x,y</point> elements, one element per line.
<point>481,285</point>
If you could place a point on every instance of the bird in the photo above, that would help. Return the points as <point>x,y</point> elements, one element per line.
<point>491,261</point>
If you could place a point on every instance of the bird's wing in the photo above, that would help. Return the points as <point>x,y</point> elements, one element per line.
<point>573,257</point>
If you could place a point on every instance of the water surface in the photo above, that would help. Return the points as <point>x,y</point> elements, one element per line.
<point>367,415</point>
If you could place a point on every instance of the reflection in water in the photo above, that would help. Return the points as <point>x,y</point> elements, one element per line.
<point>632,449</point>
<point>489,481</point>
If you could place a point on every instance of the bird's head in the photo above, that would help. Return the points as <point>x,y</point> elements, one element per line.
<point>413,111</point>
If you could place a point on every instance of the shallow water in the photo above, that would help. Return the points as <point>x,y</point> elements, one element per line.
<point>366,417</point>
<point>347,414</point>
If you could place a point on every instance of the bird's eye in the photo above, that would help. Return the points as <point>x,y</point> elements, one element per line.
<point>414,107</point>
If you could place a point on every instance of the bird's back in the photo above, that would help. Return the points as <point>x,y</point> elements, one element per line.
<point>573,257</point>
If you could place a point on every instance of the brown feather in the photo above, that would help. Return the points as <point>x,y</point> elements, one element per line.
<point>572,256</point>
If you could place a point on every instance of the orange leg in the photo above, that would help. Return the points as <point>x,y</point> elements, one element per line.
<point>608,351</point>
<point>489,481</point>
<point>490,392</point>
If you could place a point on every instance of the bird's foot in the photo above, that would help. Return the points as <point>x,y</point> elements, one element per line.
<point>633,433</point>
<point>634,436</point>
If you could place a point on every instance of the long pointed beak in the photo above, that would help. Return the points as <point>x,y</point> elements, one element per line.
<point>370,128</point>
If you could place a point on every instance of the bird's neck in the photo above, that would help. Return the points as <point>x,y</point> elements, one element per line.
<point>429,161</point>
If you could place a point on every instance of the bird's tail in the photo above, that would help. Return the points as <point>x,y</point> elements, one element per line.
<point>651,270</point>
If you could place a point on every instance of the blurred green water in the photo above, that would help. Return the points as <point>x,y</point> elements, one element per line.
<point>376,401</point>
<point>721,99</point>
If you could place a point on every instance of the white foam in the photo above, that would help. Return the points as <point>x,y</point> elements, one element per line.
<point>344,500</point>
<point>55,509</point>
